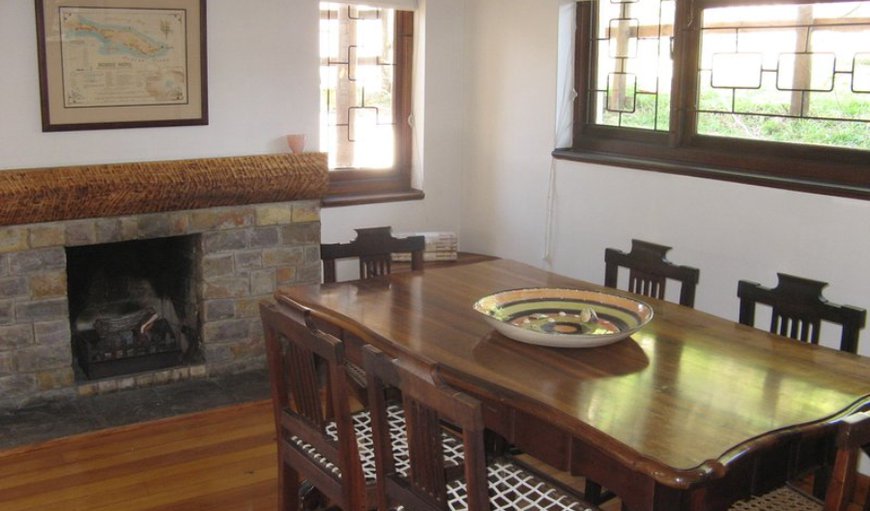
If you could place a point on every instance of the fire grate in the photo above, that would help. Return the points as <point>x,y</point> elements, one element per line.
<point>138,341</point>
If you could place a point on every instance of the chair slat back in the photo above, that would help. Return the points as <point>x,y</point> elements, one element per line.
<point>649,271</point>
<point>373,247</point>
<point>374,266</point>
<point>309,393</point>
<point>427,404</point>
<point>647,284</point>
<point>423,446</point>
<point>798,308</point>
<point>802,329</point>
<point>853,436</point>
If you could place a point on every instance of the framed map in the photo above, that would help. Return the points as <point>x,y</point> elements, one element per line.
<point>121,63</point>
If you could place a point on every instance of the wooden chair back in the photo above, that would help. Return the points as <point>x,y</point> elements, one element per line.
<point>798,308</point>
<point>309,381</point>
<point>852,437</point>
<point>426,404</point>
<point>374,248</point>
<point>649,271</point>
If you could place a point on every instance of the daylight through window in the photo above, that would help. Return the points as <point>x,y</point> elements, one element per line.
<point>365,96</point>
<point>787,73</point>
<point>770,94</point>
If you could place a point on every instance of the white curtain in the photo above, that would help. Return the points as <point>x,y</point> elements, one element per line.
<point>565,95</point>
<point>565,92</point>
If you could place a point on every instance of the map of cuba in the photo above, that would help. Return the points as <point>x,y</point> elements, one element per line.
<point>116,39</point>
<point>123,57</point>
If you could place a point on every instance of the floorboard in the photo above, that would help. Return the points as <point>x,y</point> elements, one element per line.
<point>222,459</point>
<point>218,460</point>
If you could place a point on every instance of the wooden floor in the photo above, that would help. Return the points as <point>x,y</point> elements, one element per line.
<point>220,460</point>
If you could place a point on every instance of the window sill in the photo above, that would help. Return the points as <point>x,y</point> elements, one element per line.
<point>356,199</point>
<point>695,169</point>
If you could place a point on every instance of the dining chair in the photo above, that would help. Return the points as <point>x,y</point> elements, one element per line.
<point>853,436</point>
<point>320,439</point>
<point>430,482</point>
<point>649,271</point>
<point>373,247</point>
<point>798,308</point>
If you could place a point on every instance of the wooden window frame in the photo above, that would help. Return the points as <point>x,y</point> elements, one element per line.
<point>364,186</point>
<point>808,168</point>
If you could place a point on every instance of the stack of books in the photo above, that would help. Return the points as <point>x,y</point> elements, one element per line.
<point>440,246</point>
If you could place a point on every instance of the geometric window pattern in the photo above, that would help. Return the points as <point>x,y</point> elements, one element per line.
<point>787,73</point>
<point>791,71</point>
<point>621,92</point>
<point>861,73</point>
<point>736,70</point>
<point>633,46</point>
<point>356,85</point>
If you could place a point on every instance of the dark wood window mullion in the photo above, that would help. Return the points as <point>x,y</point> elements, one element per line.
<point>587,133</point>
<point>819,169</point>
<point>402,93</point>
<point>687,42</point>
<point>583,59</point>
<point>361,186</point>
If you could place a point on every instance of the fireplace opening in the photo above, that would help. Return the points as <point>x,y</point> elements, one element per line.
<point>132,306</point>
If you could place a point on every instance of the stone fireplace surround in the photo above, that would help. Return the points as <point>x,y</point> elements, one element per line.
<point>257,221</point>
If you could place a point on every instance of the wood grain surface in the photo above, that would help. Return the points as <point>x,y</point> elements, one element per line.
<point>218,460</point>
<point>682,400</point>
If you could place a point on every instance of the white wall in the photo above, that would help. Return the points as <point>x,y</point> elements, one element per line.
<point>729,231</point>
<point>263,83</point>
<point>262,77</point>
<point>511,74</point>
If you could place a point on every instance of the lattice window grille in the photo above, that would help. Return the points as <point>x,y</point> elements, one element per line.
<point>356,79</point>
<point>738,70</point>
<point>628,77</point>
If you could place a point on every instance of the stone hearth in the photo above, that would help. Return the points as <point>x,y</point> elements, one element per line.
<point>244,250</point>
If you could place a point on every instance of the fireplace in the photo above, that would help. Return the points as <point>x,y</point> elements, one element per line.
<point>132,306</point>
<point>129,275</point>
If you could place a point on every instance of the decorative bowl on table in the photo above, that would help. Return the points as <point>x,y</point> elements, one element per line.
<point>563,318</point>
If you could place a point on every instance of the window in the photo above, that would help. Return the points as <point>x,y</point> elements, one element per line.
<point>777,94</point>
<point>365,101</point>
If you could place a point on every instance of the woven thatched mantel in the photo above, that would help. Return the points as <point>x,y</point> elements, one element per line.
<point>95,191</point>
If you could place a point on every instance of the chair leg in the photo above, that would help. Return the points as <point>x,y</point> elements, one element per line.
<point>820,482</point>
<point>288,492</point>
<point>496,445</point>
<point>311,498</point>
<point>596,494</point>
<point>592,491</point>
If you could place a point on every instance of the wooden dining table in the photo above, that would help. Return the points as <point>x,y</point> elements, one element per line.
<point>692,412</point>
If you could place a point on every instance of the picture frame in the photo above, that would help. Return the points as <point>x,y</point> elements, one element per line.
<point>106,64</point>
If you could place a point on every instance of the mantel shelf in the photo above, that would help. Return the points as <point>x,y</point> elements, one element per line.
<point>106,190</point>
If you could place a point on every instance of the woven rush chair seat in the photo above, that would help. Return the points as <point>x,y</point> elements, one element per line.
<point>513,488</point>
<point>318,434</point>
<point>362,424</point>
<point>429,484</point>
<point>853,436</point>
<point>786,498</point>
